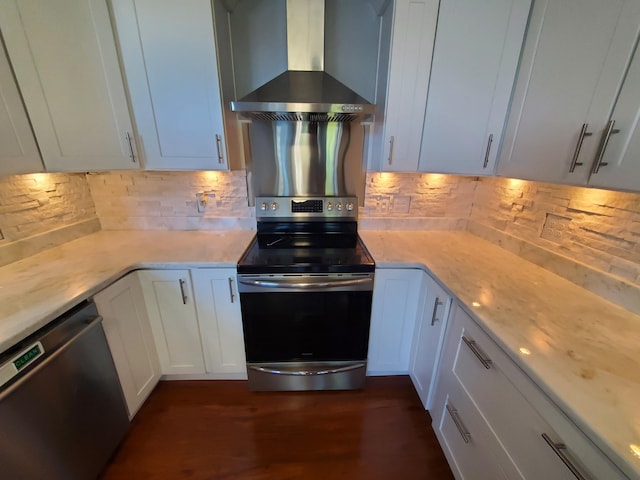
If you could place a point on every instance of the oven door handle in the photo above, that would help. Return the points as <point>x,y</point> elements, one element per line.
<point>323,371</point>
<point>324,284</point>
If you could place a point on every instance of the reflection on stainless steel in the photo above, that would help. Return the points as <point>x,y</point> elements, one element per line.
<point>309,157</point>
<point>301,283</point>
<point>304,92</point>
<point>296,376</point>
<point>62,414</point>
<point>306,158</point>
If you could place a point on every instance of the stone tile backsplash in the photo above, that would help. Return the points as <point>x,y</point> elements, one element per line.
<point>37,203</point>
<point>596,230</point>
<point>168,200</point>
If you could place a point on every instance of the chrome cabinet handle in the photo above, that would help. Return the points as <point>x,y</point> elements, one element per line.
<point>603,146</point>
<point>560,449</point>
<point>231,295</point>
<point>391,142</point>
<point>435,310</point>
<point>486,155</point>
<point>486,362</point>
<point>219,146</point>
<point>132,154</point>
<point>182,291</point>
<point>466,436</point>
<point>583,133</point>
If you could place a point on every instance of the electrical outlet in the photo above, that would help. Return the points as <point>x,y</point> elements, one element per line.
<point>201,202</point>
<point>401,204</point>
<point>383,204</point>
<point>555,227</point>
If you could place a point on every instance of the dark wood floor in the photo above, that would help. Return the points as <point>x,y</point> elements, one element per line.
<point>220,430</point>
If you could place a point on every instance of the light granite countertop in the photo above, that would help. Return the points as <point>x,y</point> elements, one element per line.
<point>37,289</point>
<point>585,351</point>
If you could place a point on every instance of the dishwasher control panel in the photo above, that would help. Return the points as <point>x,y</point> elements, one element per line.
<point>16,363</point>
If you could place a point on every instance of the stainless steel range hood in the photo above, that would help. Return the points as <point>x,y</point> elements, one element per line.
<point>304,91</point>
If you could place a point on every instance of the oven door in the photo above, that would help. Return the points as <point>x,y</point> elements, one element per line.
<point>308,325</point>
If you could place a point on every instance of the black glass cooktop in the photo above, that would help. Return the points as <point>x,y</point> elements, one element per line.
<point>297,254</point>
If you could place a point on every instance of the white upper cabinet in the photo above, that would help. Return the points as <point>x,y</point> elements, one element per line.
<point>574,61</point>
<point>414,27</point>
<point>475,58</point>
<point>617,164</point>
<point>64,57</point>
<point>18,149</point>
<point>169,55</point>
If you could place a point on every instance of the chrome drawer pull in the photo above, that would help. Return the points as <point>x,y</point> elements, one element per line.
<point>391,143</point>
<point>219,147</point>
<point>603,146</point>
<point>435,310</point>
<point>182,291</point>
<point>231,295</point>
<point>486,155</point>
<point>576,154</point>
<point>560,449</point>
<point>486,362</point>
<point>466,436</point>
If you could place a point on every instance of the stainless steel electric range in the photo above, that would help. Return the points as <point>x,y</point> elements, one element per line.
<point>306,286</point>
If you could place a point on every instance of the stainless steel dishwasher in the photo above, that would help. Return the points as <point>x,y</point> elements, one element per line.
<point>62,411</point>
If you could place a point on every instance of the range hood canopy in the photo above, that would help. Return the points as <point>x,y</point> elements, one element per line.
<point>305,91</point>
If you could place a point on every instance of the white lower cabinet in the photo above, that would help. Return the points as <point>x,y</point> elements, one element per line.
<point>128,331</point>
<point>168,295</point>
<point>220,319</point>
<point>428,336</point>
<point>397,294</point>
<point>490,417</point>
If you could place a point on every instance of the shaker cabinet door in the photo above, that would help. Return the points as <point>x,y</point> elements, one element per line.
<point>18,149</point>
<point>573,63</point>
<point>428,337</point>
<point>414,27</point>
<point>475,57</point>
<point>64,57</point>
<point>128,331</point>
<point>169,55</point>
<point>169,298</point>
<point>397,295</point>
<point>618,162</point>
<point>220,319</point>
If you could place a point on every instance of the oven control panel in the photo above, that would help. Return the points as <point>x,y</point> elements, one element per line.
<point>307,207</point>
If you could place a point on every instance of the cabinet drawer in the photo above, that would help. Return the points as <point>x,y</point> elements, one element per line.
<point>519,413</point>
<point>473,450</point>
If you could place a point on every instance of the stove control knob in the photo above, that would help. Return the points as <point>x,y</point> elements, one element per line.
<point>329,206</point>
<point>349,207</point>
<point>339,207</point>
<point>274,206</point>
<point>264,207</point>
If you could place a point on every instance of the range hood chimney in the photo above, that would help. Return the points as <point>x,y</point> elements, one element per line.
<point>305,91</point>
